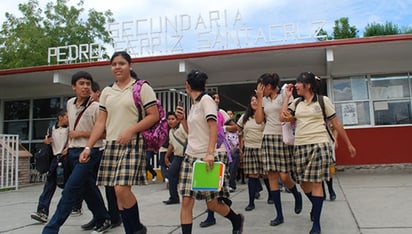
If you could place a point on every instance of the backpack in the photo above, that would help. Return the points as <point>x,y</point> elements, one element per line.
<point>221,136</point>
<point>155,136</point>
<point>42,156</point>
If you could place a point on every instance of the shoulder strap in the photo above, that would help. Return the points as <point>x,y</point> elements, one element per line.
<point>322,106</point>
<point>136,96</point>
<point>81,113</point>
<point>178,140</point>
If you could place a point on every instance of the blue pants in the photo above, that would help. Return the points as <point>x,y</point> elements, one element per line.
<point>173,174</point>
<point>233,166</point>
<point>48,189</point>
<point>149,167</point>
<point>81,182</point>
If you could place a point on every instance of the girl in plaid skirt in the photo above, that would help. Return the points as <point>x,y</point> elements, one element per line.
<point>312,150</point>
<point>277,157</point>
<point>202,138</point>
<point>123,162</point>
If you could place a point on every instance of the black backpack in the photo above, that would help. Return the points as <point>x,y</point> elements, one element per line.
<point>42,156</point>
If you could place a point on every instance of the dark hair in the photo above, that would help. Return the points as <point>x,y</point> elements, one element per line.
<point>124,54</point>
<point>81,74</point>
<point>171,113</point>
<point>249,111</point>
<point>212,93</point>
<point>61,113</point>
<point>133,74</point>
<point>309,78</point>
<point>197,80</point>
<point>269,78</point>
<point>95,86</point>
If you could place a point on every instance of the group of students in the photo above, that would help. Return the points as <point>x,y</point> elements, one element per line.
<point>119,162</point>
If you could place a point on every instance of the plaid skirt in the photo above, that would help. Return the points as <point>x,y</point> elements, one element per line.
<point>276,155</point>
<point>252,161</point>
<point>312,162</point>
<point>123,164</point>
<point>185,182</point>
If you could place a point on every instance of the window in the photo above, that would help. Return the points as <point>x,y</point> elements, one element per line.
<point>351,100</point>
<point>16,118</point>
<point>44,115</point>
<point>386,101</point>
<point>391,99</point>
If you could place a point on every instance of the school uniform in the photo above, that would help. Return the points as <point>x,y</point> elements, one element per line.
<point>82,182</point>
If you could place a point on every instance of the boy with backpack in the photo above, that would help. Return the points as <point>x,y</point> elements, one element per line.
<point>56,137</point>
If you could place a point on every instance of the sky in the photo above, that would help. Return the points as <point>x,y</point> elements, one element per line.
<point>178,26</point>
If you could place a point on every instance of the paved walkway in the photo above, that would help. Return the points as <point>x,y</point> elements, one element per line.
<point>373,200</point>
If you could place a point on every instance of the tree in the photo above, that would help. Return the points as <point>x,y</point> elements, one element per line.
<point>376,29</point>
<point>25,41</point>
<point>324,34</point>
<point>342,29</point>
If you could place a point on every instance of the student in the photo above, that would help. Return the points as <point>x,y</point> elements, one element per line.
<point>312,150</point>
<point>123,162</point>
<point>202,138</point>
<point>82,112</point>
<point>278,161</point>
<point>113,210</point>
<point>177,145</point>
<point>57,139</point>
<point>250,141</point>
<point>224,122</point>
<point>232,138</point>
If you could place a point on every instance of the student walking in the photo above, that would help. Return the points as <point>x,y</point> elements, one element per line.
<point>202,138</point>
<point>177,145</point>
<point>277,159</point>
<point>250,142</point>
<point>82,112</point>
<point>57,137</point>
<point>312,150</point>
<point>123,162</point>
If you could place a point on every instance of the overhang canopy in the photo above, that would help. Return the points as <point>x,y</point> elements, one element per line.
<point>377,55</point>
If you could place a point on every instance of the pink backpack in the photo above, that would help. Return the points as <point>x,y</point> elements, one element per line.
<point>155,136</point>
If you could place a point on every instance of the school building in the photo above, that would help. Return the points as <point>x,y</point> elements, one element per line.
<point>368,79</point>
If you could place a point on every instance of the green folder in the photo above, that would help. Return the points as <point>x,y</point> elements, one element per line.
<point>203,180</point>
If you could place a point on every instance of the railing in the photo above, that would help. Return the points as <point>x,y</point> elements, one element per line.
<point>9,152</point>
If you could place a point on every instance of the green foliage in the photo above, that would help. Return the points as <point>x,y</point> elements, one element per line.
<point>376,29</point>
<point>343,30</point>
<point>24,41</point>
<point>324,34</point>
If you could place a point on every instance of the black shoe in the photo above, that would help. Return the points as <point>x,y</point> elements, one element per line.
<point>116,224</point>
<point>207,223</point>
<point>298,204</point>
<point>332,195</point>
<point>257,195</point>
<point>270,201</point>
<point>240,230</point>
<point>171,201</point>
<point>250,207</point>
<point>276,222</point>
<point>142,231</point>
<point>89,226</point>
<point>106,225</point>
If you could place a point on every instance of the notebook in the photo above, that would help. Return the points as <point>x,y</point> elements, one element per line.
<point>203,180</point>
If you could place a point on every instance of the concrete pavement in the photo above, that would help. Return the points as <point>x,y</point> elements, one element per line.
<point>370,200</point>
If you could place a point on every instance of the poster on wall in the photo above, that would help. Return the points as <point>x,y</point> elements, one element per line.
<point>349,114</point>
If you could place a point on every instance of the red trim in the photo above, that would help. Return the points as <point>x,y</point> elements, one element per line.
<point>351,41</point>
